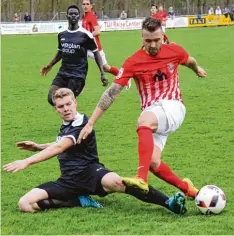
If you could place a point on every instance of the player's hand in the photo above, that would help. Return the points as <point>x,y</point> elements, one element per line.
<point>201,72</point>
<point>45,69</point>
<point>104,80</point>
<point>16,166</point>
<point>28,145</point>
<point>85,132</point>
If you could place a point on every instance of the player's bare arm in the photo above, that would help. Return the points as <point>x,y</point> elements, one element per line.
<point>192,64</point>
<point>109,96</point>
<point>32,146</point>
<point>97,30</point>
<point>45,69</point>
<point>98,60</point>
<point>105,102</point>
<point>49,152</point>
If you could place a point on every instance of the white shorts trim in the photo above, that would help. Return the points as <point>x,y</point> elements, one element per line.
<point>164,28</point>
<point>170,115</point>
<point>102,54</point>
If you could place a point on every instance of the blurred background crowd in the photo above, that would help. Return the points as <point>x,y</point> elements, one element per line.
<point>47,10</point>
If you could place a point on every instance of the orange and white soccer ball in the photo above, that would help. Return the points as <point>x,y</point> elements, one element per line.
<point>210,199</point>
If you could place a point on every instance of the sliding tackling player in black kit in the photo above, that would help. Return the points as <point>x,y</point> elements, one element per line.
<point>81,172</point>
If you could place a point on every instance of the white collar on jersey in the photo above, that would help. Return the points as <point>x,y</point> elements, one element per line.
<point>77,116</point>
<point>73,31</point>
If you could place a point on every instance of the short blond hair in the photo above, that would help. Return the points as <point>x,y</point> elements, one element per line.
<point>61,93</point>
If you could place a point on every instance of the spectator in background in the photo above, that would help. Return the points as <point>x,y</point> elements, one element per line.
<point>16,18</point>
<point>232,12</point>
<point>123,15</point>
<point>211,15</point>
<point>218,11</point>
<point>27,17</point>
<point>211,11</point>
<point>225,11</point>
<point>171,13</point>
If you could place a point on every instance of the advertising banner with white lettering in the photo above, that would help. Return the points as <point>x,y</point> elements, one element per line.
<point>16,28</point>
<point>177,22</point>
<point>112,25</point>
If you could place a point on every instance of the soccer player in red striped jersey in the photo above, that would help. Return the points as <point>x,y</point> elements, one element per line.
<point>90,23</point>
<point>154,68</point>
<point>162,16</point>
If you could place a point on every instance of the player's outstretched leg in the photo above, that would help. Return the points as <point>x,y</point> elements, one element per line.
<point>81,201</point>
<point>164,172</point>
<point>176,203</point>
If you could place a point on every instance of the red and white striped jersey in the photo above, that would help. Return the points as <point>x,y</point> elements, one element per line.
<point>160,15</point>
<point>156,77</point>
<point>88,22</point>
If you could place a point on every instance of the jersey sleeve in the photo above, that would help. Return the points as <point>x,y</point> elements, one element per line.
<point>59,43</point>
<point>91,44</point>
<point>182,55</point>
<point>93,21</point>
<point>125,74</point>
<point>74,129</point>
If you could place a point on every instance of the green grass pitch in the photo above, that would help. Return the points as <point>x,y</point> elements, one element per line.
<point>202,149</point>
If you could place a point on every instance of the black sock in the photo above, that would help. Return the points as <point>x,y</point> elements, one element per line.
<point>152,196</point>
<point>54,203</point>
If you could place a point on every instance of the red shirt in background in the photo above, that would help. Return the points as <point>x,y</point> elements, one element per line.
<point>160,15</point>
<point>89,21</point>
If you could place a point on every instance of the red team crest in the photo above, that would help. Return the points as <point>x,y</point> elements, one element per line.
<point>170,67</point>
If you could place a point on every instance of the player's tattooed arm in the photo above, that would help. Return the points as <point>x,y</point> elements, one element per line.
<point>109,96</point>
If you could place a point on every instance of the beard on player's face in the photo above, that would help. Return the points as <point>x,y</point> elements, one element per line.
<point>152,41</point>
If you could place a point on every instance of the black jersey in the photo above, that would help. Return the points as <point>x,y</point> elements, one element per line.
<point>74,46</point>
<point>78,157</point>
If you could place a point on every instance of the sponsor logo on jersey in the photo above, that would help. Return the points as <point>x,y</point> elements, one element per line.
<point>69,47</point>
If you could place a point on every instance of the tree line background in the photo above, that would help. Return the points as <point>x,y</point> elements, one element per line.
<point>41,10</point>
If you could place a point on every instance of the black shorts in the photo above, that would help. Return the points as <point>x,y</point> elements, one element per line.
<point>75,84</point>
<point>86,183</point>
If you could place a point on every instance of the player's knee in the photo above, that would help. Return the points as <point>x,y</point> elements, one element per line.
<point>143,122</point>
<point>154,165</point>
<point>148,119</point>
<point>113,183</point>
<point>50,100</point>
<point>24,205</point>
